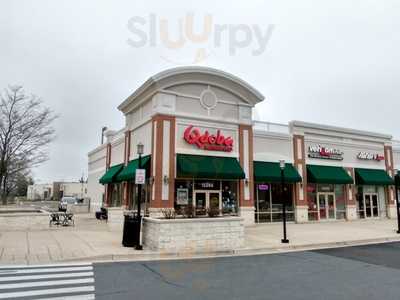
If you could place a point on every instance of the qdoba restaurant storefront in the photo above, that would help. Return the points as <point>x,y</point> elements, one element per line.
<point>205,156</point>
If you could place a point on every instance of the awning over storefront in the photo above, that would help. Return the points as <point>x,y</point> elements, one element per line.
<point>110,175</point>
<point>128,173</point>
<point>208,167</point>
<point>271,172</point>
<point>373,177</point>
<point>328,175</point>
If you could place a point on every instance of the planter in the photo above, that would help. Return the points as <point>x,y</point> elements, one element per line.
<point>198,235</point>
<point>23,220</point>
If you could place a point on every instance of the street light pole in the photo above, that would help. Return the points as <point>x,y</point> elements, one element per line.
<point>282,166</point>
<point>396,190</point>
<point>140,152</point>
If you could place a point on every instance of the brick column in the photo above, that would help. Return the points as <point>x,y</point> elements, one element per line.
<point>300,203</point>
<point>162,164</point>
<point>127,151</point>
<point>246,186</point>
<point>108,187</point>
<point>350,197</point>
<point>389,191</point>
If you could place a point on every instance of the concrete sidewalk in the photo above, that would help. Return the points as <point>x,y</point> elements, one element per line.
<point>91,240</point>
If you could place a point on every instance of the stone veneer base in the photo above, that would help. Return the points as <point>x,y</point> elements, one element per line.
<point>197,235</point>
<point>248,215</point>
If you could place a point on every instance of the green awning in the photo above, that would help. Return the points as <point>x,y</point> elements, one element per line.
<point>109,176</point>
<point>208,167</point>
<point>373,177</point>
<point>128,173</point>
<point>328,175</point>
<point>271,172</point>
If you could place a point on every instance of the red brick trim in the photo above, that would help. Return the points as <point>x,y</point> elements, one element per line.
<point>300,161</point>
<point>242,201</point>
<point>390,170</point>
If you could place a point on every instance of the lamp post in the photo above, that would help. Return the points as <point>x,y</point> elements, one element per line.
<point>396,190</point>
<point>140,150</point>
<point>282,167</point>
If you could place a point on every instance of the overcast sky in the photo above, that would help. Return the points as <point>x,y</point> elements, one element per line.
<point>330,62</point>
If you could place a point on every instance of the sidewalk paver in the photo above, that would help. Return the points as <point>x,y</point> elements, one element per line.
<point>92,240</point>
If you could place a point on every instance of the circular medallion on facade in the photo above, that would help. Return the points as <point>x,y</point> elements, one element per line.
<point>208,99</point>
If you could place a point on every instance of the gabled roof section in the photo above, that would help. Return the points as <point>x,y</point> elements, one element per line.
<point>192,74</point>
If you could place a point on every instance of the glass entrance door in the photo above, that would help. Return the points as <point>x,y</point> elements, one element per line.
<point>371,205</point>
<point>200,203</point>
<point>326,206</point>
<point>205,200</point>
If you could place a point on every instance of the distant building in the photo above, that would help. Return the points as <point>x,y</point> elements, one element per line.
<point>56,190</point>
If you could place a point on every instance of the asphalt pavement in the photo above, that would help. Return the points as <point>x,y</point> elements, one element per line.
<point>361,272</point>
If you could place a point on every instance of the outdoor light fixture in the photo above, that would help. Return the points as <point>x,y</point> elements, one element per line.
<point>166,179</point>
<point>151,180</point>
<point>140,149</point>
<point>282,166</point>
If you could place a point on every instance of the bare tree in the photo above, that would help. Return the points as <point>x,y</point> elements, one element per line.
<point>25,133</point>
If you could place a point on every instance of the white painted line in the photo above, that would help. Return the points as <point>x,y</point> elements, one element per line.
<point>50,276</point>
<point>80,297</point>
<point>44,266</point>
<point>52,270</point>
<point>13,295</point>
<point>45,283</point>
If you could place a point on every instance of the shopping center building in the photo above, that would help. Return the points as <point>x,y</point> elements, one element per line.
<point>203,150</point>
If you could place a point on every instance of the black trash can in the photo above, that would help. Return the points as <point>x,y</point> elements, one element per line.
<point>131,233</point>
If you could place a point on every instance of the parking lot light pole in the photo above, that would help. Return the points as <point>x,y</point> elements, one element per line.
<point>396,190</point>
<point>140,150</point>
<point>282,166</point>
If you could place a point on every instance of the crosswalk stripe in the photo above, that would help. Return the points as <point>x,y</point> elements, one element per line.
<point>45,283</point>
<point>44,266</point>
<point>50,276</point>
<point>80,297</point>
<point>45,270</point>
<point>53,282</point>
<point>33,293</point>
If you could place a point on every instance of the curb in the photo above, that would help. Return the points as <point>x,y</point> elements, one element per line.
<point>237,252</point>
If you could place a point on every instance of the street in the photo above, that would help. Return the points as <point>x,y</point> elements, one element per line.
<point>361,272</point>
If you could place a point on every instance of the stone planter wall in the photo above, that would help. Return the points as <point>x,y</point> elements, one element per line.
<point>198,235</point>
<point>24,221</point>
<point>115,218</point>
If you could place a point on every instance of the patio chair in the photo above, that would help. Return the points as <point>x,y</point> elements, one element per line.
<point>70,219</point>
<point>54,219</point>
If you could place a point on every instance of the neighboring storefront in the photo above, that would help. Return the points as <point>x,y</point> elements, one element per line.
<point>205,156</point>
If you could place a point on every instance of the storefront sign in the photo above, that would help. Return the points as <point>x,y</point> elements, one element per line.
<point>370,156</point>
<point>140,176</point>
<point>207,185</point>
<point>207,141</point>
<point>182,196</point>
<point>263,187</point>
<point>319,151</point>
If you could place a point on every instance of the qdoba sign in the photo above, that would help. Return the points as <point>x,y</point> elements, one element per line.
<point>207,141</point>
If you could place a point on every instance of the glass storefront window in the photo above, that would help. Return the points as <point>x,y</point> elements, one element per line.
<point>183,194</point>
<point>268,202</point>
<point>229,197</point>
<point>312,202</point>
<point>116,196</point>
<point>340,202</point>
<point>133,201</point>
